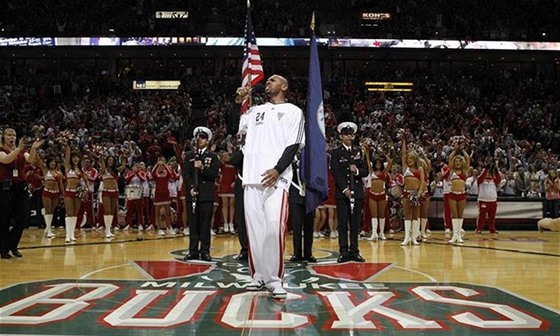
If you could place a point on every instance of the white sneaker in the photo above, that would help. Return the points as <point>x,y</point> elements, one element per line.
<point>170,232</point>
<point>186,231</point>
<point>447,232</point>
<point>212,232</point>
<point>225,229</point>
<point>231,228</point>
<point>316,234</point>
<point>140,228</point>
<point>117,228</point>
<point>151,227</point>
<point>161,233</point>
<point>126,228</point>
<point>255,286</point>
<point>49,234</point>
<point>277,291</point>
<point>333,234</point>
<point>382,236</point>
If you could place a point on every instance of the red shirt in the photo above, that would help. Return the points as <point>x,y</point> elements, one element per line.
<point>7,169</point>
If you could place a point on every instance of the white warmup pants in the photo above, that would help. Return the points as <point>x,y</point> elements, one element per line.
<point>266,216</point>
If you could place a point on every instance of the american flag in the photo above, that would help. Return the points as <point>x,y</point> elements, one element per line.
<point>252,71</point>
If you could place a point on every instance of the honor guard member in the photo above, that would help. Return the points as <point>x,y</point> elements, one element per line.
<point>300,218</point>
<point>236,160</point>
<point>201,170</point>
<point>348,169</point>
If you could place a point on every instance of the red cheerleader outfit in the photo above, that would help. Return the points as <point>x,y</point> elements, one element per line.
<point>52,193</point>
<point>161,179</point>
<point>228,173</point>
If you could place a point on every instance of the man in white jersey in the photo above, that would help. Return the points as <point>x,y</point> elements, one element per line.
<point>275,132</point>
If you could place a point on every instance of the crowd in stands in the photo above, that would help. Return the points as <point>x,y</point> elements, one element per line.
<point>503,113</point>
<point>506,116</point>
<point>526,20</point>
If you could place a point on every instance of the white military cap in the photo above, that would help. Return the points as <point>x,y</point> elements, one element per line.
<point>347,127</point>
<point>203,129</point>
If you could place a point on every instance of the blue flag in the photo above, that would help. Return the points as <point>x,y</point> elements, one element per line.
<point>314,154</point>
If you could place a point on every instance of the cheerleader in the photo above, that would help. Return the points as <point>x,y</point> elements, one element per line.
<point>76,188</point>
<point>226,183</point>
<point>377,197</point>
<point>53,189</point>
<point>446,209</point>
<point>85,214</point>
<point>161,174</point>
<point>457,175</point>
<point>173,187</point>
<point>146,199</point>
<point>134,181</point>
<point>110,195</point>
<point>182,203</point>
<point>425,206</point>
<point>413,187</point>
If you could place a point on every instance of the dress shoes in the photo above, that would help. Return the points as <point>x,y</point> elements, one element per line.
<point>191,256</point>
<point>17,254</point>
<point>5,256</point>
<point>344,258</point>
<point>310,259</point>
<point>205,257</point>
<point>357,257</point>
<point>241,256</point>
<point>295,258</point>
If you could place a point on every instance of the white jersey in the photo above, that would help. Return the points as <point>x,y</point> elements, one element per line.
<point>270,129</point>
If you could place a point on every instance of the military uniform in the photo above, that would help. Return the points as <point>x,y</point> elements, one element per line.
<point>236,160</point>
<point>348,219</point>
<point>300,219</point>
<point>200,212</point>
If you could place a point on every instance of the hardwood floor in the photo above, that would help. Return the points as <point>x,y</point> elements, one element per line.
<point>525,264</point>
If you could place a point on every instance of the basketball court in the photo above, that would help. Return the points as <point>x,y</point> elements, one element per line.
<point>136,284</point>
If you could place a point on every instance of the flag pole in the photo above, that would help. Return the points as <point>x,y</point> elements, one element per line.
<point>249,86</point>
<point>312,25</point>
<point>252,71</point>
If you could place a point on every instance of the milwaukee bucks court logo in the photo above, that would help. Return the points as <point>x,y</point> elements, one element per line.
<point>210,299</point>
